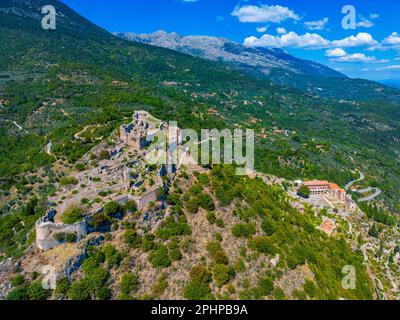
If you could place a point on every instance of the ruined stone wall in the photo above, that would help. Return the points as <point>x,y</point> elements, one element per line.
<point>46,230</point>
<point>144,200</point>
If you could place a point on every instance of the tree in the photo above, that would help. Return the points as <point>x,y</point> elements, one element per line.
<point>220,273</point>
<point>374,231</point>
<point>112,256</point>
<point>132,238</point>
<point>37,292</point>
<point>65,181</point>
<point>112,208</point>
<point>129,283</point>
<point>79,290</point>
<point>265,286</point>
<point>245,230</point>
<point>217,253</point>
<point>199,286</point>
<point>130,206</point>
<point>303,192</point>
<point>268,226</point>
<point>104,154</point>
<point>160,257</point>
<point>98,220</point>
<point>17,280</point>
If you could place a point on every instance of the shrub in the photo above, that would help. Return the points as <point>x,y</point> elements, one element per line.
<point>130,206</point>
<point>129,283</point>
<point>174,252</point>
<point>65,181</point>
<point>268,226</point>
<point>217,253</point>
<point>62,286</point>
<point>171,228</point>
<point>71,237</point>
<point>204,179</point>
<point>80,167</point>
<point>310,289</point>
<point>98,221</point>
<point>160,257</point>
<point>59,236</point>
<point>220,223</point>
<point>173,199</point>
<point>160,286</point>
<point>104,155</point>
<point>198,288</point>
<point>112,256</point>
<point>36,291</point>
<point>20,293</point>
<point>265,286</point>
<point>245,230</point>
<point>132,238</point>
<point>279,294</point>
<point>17,280</point>
<point>205,201</point>
<point>148,242</point>
<point>211,217</point>
<point>262,245</point>
<point>79,290</point>
<point>303,192</point>
<point>111,208</point>
<point>220,273</point>
<point>72,215</point>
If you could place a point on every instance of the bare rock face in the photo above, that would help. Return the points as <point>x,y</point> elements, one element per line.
<point>7,268</point>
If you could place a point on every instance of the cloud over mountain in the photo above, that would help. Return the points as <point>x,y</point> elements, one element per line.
<point>264,13</point>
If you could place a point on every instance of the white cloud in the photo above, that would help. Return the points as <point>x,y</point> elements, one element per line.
<point>264,13</point>
<point>394,67</point>
<point>397,59</point>
<point>281,30</point>
<point>310,41</point>
<point>360,40</point>
<point>392,40</point>
<point>336,53</point>
<point>374,16</point>
<point>355,57</point>
<point>316,25</point>
<point>262,29</point>
<point>291,39</point>
<point>364,23</point>
<point>190,1</point>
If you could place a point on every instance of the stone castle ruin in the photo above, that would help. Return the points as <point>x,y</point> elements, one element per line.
<point>47,229</point>
<point>132,179</point>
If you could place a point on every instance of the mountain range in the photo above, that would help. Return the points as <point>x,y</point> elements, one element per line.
<point>271,63</point>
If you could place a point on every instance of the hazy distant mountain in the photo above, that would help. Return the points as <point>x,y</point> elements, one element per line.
<point>261,60</point>
<point>273,64</point>
<point>395,83</point>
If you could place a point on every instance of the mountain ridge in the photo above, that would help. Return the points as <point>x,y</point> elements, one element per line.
<point>273,64</point>
<point>218,48</point>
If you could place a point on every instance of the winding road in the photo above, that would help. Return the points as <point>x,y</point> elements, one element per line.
<point>376,191</point>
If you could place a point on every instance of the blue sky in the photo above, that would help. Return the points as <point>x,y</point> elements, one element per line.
<point>308,29</point>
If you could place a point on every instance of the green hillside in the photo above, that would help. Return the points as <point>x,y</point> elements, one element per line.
<point>56,82</point>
